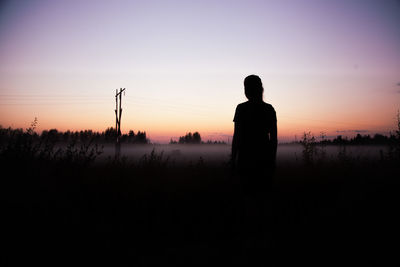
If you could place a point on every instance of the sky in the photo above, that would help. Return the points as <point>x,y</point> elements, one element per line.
<point>326,66</point>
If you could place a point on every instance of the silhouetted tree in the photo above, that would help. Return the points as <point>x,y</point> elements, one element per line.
<point>110,134</point>
<point>196,139</point>
<point>173,141</point>
<point>190,138</point>
<point>131,136</point>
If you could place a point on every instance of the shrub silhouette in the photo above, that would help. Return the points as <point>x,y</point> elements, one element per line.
<point>309,147</point>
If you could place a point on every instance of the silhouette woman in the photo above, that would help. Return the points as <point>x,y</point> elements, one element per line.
<point>254,141</point>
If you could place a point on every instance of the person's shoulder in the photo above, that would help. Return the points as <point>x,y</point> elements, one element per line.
<point>270,111</point>
<point>240,111</point>
<point>242,105</point>
<point>268,106</point>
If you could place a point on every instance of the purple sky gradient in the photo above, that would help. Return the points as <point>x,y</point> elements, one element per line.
<point>326,65</point>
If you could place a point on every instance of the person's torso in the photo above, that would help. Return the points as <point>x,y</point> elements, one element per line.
<point>256,121</point>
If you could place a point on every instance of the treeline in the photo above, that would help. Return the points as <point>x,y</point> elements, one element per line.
<point>377,139</point>
<point>55,136</point>
<point>194,138</point>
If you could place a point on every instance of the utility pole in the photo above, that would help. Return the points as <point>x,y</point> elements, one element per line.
<point>118,112</point>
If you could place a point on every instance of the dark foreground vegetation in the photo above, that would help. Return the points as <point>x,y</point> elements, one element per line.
<point>63,208</point>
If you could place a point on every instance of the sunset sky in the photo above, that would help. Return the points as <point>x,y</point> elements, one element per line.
<point>326,66</point>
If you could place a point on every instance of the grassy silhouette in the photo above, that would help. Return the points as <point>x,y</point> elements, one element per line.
<point>63,208</point>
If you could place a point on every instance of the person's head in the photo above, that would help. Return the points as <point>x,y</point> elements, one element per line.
<point>253,88</point>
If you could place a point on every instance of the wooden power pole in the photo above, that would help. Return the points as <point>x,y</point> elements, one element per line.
<point>118,112</point>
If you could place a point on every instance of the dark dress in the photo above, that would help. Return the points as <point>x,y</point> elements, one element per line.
<point>256,142</point>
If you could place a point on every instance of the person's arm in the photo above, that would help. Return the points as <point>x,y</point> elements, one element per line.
<point>274,137</point>
<point>235,145</point>
<point>235,139</point>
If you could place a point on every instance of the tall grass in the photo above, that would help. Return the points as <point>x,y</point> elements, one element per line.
<point>394,148</point>
<point>313,151</point>
<point>20,146</point>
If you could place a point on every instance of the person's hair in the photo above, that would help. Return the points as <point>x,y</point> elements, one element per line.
<point>253,88</point>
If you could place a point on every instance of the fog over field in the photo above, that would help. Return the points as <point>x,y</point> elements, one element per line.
<point>216,154</point>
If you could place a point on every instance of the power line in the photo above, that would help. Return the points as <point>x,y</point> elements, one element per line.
<point>68,99</point>
<point>327,121</point>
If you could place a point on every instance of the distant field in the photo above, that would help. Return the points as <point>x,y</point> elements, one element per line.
<point>216,154</point>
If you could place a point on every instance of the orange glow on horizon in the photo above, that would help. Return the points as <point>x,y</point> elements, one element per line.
<point>162,131</point>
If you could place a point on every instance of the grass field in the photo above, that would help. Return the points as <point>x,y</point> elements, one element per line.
<point>61,210</point>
